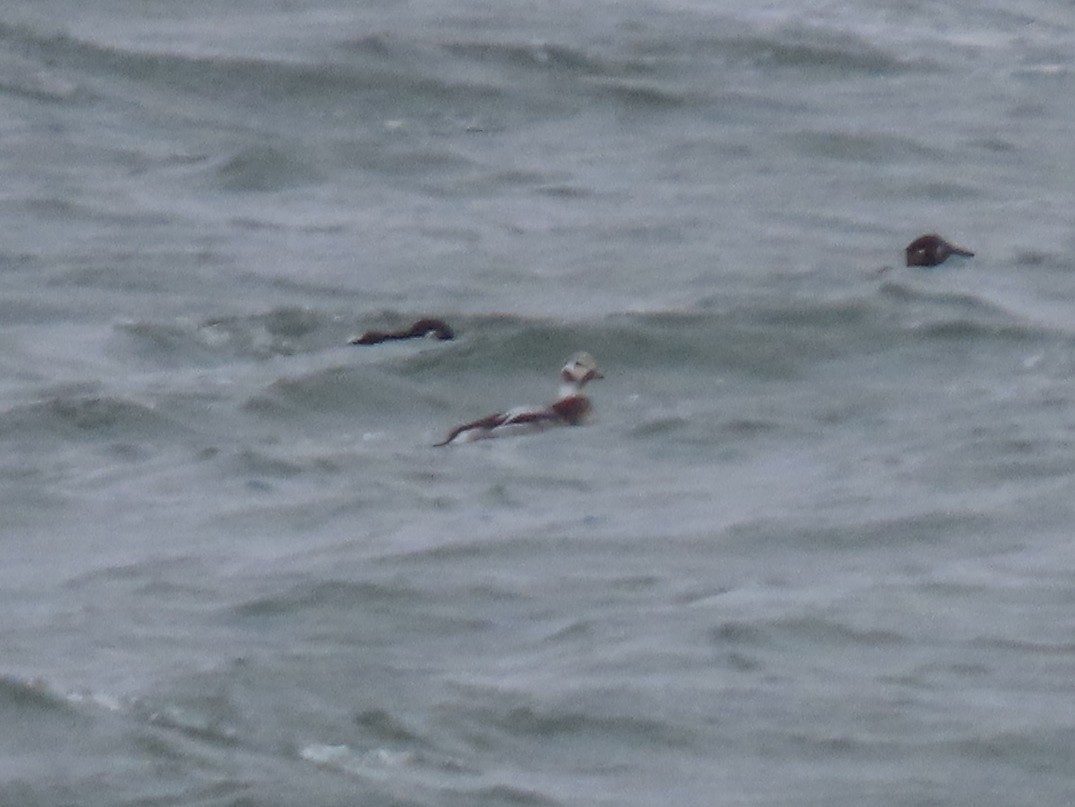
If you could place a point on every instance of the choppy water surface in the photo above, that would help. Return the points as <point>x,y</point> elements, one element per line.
<point>815,549</point>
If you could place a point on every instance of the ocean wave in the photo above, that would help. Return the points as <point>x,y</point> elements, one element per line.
<point>266,168</point>
<point>970,330</point>
<point>746,641</point>
<point>792,46</point>
<point>569,726</point>
<point>19,697</point>
<point>282,331</point>
<point>551,58</point>
<point>773,340</point>
<point>387,727</point>
<point>741,341</point>
<point>202,72</point>
<point>944,313</point>
<point>343,390</point>
<point>393,82</point>
<point>909,530</point>
<point>506,360</point>
<point>440,778</point>
<point>1041,751</point>
<point>641,70</point>
<point>66,417</point>
<point>875,147</point>
<point>209,718</point>
<point>831,632</point>
<point>376,73</point>
<point>816,49</point>
<point>31,79</point>
<point>328,595</point>
<point>551,723</point>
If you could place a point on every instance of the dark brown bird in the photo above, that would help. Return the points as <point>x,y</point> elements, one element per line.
<point>437,328</point>
<point>932,250</point>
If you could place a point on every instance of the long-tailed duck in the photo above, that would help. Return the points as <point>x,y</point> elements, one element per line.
<point>932,250</point>
<point>569,408</point>
<point>436,328</point>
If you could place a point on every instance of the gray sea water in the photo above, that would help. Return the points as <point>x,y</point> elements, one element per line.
<point>816,546</point>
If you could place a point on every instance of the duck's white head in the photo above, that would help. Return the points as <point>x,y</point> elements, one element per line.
<point>580,369</point>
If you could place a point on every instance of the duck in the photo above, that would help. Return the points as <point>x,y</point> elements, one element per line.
<point>932,250</point>
<point>569,409</point>
<point>435,328</point>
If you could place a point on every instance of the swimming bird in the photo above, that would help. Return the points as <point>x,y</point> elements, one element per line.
<point>436,328</point>
<point>569,408</point>
<point>932,250</point>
